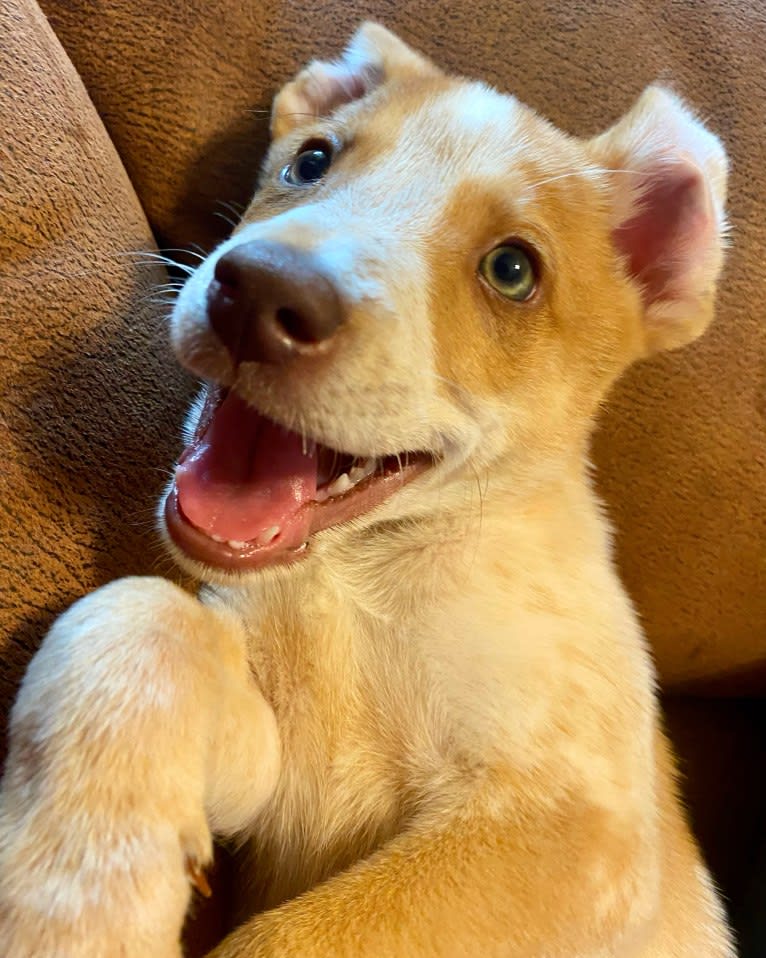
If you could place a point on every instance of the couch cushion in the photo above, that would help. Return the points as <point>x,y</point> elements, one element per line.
<point>185,90</point>
<point>88,399</point>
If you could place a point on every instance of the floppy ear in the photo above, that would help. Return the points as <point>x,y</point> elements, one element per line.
<point>668,196</point>
<point>373,56</point>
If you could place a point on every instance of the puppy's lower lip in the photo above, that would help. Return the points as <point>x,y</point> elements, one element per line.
<point>257,492</point>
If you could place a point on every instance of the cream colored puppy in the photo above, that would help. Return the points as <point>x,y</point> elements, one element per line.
<point>412,680</point>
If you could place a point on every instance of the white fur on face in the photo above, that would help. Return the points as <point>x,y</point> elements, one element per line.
<point>484,119</point>
<point>374,235</point>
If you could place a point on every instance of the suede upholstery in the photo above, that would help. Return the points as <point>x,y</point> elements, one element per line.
<point>165,107</point>
<point>86,384</point>
<point>184,90</point>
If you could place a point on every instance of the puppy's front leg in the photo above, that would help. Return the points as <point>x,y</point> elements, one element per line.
<point>489,881</point>
<point>113,763</point>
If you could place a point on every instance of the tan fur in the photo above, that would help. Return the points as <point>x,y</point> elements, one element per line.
<point>451,745</point>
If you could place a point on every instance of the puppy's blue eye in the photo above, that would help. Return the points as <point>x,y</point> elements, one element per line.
<point>309,165</point>
<point>511,271</point>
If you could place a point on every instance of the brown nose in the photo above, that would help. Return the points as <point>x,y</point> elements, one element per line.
<point>269,303</point>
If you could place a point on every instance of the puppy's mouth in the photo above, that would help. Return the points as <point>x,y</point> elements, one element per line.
<point>248,493</point>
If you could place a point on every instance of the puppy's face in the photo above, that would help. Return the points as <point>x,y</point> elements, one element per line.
<point>430,281</point>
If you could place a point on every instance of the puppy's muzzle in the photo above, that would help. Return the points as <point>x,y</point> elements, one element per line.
<point>270,303</point>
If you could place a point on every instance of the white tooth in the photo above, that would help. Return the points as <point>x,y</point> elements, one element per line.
<point>236,544</point>
<point>216,538</point>
<point>268,535</point>
<point>363,471</point>
<point>321,495</point>
<point>342,484</point>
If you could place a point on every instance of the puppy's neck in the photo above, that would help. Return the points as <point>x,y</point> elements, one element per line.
<point>418,561</point>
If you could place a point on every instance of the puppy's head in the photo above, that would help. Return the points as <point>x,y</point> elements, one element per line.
<point>431,280</point>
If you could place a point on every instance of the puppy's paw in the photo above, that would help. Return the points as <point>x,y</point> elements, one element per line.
<point>41,941</point>
<point>102,821</point>
<point>99,887</point>
<point>97,883</point>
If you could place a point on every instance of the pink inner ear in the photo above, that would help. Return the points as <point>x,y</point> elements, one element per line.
<point>336,84</point>
<point>671,234</point>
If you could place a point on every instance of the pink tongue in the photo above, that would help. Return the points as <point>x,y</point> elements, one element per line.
<point>245,476</point>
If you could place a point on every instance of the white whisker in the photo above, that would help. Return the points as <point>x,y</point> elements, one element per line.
<point>150,258</point>
<point>222,216</point>
<point>587,172</point>
<point>232,208</point>
<point>187,252</point>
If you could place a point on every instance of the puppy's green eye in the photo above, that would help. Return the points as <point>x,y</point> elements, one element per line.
<point>511,271</point>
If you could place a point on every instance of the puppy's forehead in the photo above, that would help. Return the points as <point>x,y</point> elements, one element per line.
<point>457,114</point>
<point>422,141</point>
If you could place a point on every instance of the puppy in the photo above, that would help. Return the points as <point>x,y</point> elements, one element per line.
<point>412,681</point>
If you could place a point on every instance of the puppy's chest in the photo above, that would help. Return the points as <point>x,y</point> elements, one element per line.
<point>360,743</point>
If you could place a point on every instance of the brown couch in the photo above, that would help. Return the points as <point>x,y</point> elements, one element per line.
<point>125,122</point>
